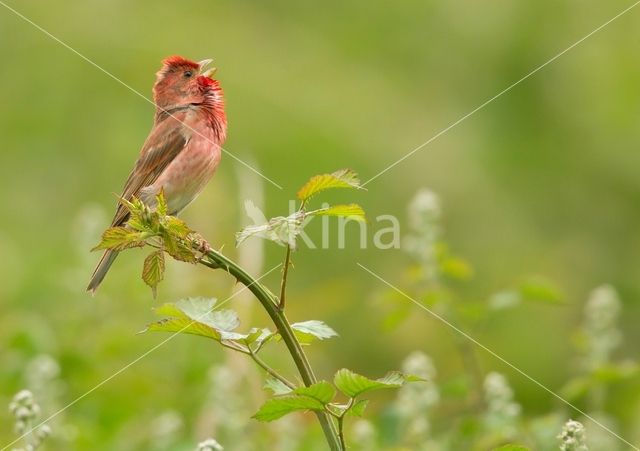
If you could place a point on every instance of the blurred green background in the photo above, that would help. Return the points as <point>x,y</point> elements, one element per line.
<point>542,181</point>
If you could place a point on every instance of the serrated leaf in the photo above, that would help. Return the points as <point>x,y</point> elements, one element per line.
<point>177,227</point>
<point>178,249</point>
<point>196,316</point>
<point>202,310</point>
<point>321,391</point>
<point>281,230</point>
<point>120,238</point>
<point>353,384</point>
<point>308,331</point>
<point>161,204</point>
<point>153,269</point>
<point>276,386</point>
<point>170,309</point>
<point>184,325</point>
<point>358,407</point>
<point>353,211</point>
<point>278,407</point>
<point>343,178</point>
<point>259,336</point>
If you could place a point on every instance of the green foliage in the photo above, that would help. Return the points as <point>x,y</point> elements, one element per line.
<point>320,396</point>
<point>353,211</point>
<point>353,384</point>
<point>120,238</point>
<point>322,391</point>
<point>276,386</point>
<point>358,407</point>
<point>197,316</point>
<point>309,331</point>
<point>284,230</point>
<point>153,227</point>
<point>278,407</point>
<point>343,178</point>
<point>153,270</point>
<point>281,230</point>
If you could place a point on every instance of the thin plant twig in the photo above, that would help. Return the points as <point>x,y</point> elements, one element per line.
<point>285,273</point>
<point>215,260</point>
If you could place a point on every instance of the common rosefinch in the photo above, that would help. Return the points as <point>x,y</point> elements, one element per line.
<point>183,149</point>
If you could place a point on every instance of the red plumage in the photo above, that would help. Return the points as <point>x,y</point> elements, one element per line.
<point>183,148</point>
<point>177,61</point>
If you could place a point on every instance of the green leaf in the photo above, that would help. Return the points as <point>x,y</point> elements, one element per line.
<point>120,238</point>
<point>276,386</point>
<point>357,409</point>
<point>176,227</point>
<point>184,325</point>
<point>321,391</point>
<point>343,178</point>
<point>259,336</point>
<point>177,248</point>
<point>278,407</point>
<point>202,310</point>
<point>314,397</point>
<point>153,270</point>
<point>353,384</point>
<point>308,331</point>
<point>196,316</point>
<point>281,230</point>
<point>353,211</point>
<point>161,203</point>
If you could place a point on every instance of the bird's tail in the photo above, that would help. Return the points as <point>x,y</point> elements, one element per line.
<point>101,270</point>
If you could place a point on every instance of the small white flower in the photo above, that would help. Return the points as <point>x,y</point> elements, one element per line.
<point>572,437</point>
<point>23,397</point>
<point>209,444</point>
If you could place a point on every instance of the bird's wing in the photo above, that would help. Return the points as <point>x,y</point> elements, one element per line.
<point>165,142</point>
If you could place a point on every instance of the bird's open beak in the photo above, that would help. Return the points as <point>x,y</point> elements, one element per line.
<point>209,72</point>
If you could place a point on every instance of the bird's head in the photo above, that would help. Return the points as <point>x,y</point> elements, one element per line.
<point>182,82</point>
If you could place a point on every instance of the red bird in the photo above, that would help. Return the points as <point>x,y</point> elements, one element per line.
<point>183,149</point>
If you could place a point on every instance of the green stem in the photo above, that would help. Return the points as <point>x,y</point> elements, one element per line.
<point>269,302</point>
<point>285,273</point>
<point>341,423</point>
<point>341,431</point>
<point>261,363</point>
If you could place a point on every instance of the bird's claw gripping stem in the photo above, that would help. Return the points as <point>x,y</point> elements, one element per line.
<point>202,246</point>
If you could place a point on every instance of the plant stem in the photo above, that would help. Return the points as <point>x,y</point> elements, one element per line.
<point>341,422</point>
<point>285,273</point>
<point>216,260</point>
<point>341,431</point>
<point>261,363</point>
<point>285,270</point>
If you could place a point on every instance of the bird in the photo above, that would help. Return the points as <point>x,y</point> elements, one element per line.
<point>183,149</point>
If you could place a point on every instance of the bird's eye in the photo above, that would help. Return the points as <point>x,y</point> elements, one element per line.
<point>188,74</point>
